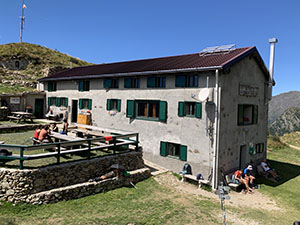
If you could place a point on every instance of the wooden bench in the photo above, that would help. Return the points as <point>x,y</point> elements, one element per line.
<point>186,177</point>
<point>233,186</point>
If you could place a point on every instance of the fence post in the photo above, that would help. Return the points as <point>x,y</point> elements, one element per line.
<point>137,142</point>
<point>114,148</point>
<point>21,158</point>
<point>89,151</point>
<point>58,154</point>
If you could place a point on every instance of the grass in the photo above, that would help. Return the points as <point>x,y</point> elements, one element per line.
<point>292,139</point>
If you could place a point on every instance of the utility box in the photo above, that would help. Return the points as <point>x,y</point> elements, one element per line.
<point>84,117</point>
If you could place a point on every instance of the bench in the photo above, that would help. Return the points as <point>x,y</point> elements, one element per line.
<point>185,177</point>
<point>233,186</point>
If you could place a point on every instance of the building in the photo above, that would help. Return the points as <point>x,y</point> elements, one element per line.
<point>159,99</point>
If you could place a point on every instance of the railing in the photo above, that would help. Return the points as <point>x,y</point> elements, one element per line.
<point>62,148</point>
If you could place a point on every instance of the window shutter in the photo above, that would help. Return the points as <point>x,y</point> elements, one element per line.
<point>196,81</point>
<point>198,110</point>
<point>163,111</point>
<point>49,101</point>
<point>255,114</point>
<point>180,109</point>
<point>163,85</point>
<point>107,83</point>
<point>57,102</point>
<point>137,82</point>
<point>108,104</point>
<point>80,85</point>
<point>130,108</point>
<point>117,83</point>
<point>183,152</point>
<point>127,83</point>
<point>80,104</point>
<point>180,81</point>
<point>90,104</point>
<point>50,86</point>
<point>163,148</point>
<point>240,114</point>
<point>151,82</point>
<point>66,102</point>
<point>119,105</point>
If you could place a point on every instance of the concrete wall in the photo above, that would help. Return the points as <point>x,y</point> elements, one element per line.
<point>14,64</point>
<point>232,136</point>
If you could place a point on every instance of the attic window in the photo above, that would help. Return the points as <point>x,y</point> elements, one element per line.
<point>247,114</point>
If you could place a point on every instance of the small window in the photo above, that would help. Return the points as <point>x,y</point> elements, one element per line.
<point>156,82</point>
<point>259,148</point>
<point>85,103</point>
<point>83,85</point>
<point>173,150</point>
<point>51,101</point>
<point>111,83</point>
<point>186,80</point>
<point>190,109</point>
<point>247,114</point>
<point>51,86</point>
<point>131,83</point>
<point>64,102</point>
<point>148,109</point>
<point>113,104</point>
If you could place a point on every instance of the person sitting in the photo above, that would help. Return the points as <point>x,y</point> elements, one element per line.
<point>65,127</point>
<point>44,135</point>
<point>237,177</point>
<point>36,134</point>
<point>248,178</point>
<point>54,128</point>
<point>267,169</point>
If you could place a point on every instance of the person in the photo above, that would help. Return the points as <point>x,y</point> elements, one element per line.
<point>37,132</point>
<point>237,177</point>
<point>44,135</point>
<point>248,178</point>
<point>54,128</point>
<point>65,127</point>
<point>267,169</point>
<point>111,174</point>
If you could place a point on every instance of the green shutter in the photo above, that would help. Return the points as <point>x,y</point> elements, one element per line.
<point>163,111</point>
<point>107,83</point>
<point>180,109</point>
<point>57,102</point>
<point>240,114</point>
<point>108,105</point>
<point>80,104</point>
<point>151,82</point>
<point>90,104</point>
<point>49,101</point>
<point>180,81</point>
<point>127,83</point>
<point>50,86</point>
<point>130,108</point>
<point>137,82</point>
<point>80,85</point>
<point>255,114</point>
<point>119,105</point>
<point>163,148</point>
<point>198,110</point>
<point>66,102</point>
<point>183,152</point>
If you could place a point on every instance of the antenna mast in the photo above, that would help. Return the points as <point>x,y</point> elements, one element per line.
<point>22,21</point>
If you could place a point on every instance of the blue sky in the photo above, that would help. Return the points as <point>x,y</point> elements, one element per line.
<point>100,31</point>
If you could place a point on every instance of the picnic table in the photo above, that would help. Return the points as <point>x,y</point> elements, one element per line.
<point>64,137</point>
<point>18,116</point>
<point>83,132</point>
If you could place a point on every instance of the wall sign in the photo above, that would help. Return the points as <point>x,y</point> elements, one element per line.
<point>14,100</point>
<point>247,90</point>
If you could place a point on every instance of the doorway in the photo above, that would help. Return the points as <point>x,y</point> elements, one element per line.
<point>74,111</point>
<point>243,154</point>
<point>39,108</point>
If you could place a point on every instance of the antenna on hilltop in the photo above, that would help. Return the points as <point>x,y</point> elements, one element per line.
<point>22,21</point>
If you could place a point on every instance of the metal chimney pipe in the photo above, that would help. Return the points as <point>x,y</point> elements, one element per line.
<point>272,42</point>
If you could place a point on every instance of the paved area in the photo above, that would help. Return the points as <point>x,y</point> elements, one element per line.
<point>155,169</point>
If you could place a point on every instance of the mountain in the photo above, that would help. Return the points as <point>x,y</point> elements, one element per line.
<point>21,64</point>
<point>288,122</point>
<point>282,102</point>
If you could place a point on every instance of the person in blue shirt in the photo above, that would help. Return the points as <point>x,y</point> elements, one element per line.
<point>249,179</point>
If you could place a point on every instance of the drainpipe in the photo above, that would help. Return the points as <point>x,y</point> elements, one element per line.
<point>215,135</point>
<point>272,42</point>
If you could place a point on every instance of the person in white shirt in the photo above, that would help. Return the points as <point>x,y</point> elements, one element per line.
<point>267,169</point>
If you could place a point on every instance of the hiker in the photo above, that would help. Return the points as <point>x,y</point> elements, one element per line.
<point>53,127</point>
<point>111,174</point>
<point>267,169</point>
<point>248,178</point>
<point>44,135</point>
<point>65,127</point>
<point>237,177</point>
<point>36,133</point>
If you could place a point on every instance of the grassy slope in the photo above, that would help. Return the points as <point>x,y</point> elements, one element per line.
<point>153,203</point>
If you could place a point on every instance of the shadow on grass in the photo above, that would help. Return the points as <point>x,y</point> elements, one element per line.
<point>287,171</point>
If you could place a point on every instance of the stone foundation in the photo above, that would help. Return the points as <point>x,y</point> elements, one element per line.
<point>25,185</point>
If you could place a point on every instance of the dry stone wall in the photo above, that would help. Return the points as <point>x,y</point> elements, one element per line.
<point>18,185</point>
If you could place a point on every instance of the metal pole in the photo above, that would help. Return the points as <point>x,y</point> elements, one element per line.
<point>22,23</point>
<point>21,158</point>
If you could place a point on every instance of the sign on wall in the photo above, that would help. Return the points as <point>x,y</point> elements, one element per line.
<point>14,100</point>
<point>247,90</point>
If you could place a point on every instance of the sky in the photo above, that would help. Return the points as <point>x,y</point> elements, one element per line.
<point>103,31</point>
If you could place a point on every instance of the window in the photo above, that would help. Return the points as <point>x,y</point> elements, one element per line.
<point>111,83</point>
<point>113,104</point>
<point>147,109</point>
<point>83,85</point>
<point>190,109</point>
<point>259,148</point>
<point>51,101</point>
<point>173,150</point>
<point>85,103</point>
<point>131,83</point>
<point>247,114</point>
<point>156,82</point>
<point>51,86</point>
<point>186,80</point>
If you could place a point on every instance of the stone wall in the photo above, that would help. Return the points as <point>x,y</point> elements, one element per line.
<point>17,185</point>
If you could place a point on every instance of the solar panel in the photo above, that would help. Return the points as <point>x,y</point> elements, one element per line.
<point>217,49</point>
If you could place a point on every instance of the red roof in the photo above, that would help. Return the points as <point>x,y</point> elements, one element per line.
<point>191,62</point>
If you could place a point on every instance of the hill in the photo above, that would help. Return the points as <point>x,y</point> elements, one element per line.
<point>282,102</point>
<point>288,122</point>
<point>21,64</point>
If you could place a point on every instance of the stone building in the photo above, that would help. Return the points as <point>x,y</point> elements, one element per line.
<point>159,99</point>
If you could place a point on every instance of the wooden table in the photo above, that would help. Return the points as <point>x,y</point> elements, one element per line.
<point>64,137</point>
<point>21,116</point>
<point>79,131</point>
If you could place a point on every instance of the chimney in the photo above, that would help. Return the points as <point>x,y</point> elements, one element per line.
<point>272,42</point>
<point>71,64</point>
